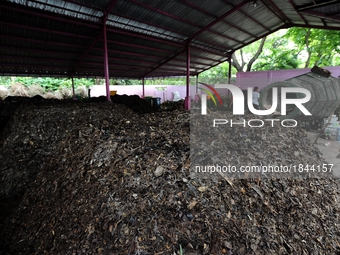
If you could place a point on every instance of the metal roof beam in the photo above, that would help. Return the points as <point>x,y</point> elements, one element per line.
<point>239,28</point>
<point>205,50</point>
<point>176,55</point>
<point>192,62</point>
<point>149,24</point>
<point>104,18</point>
<point>198,8</point>
<point>120,31</point>
<point>64,9</point>
<point>111,71</point>
<point>54,60</point>
<point>39,66</point>
<point>281,15</point>
<point>203,58</point>
<point>53,16</point>
<point>222,35</point>
<point>176,40</point>
<point>25,50</point>
<point>183,65</point>
<point>169,71</point>
<point>110,64</point>
<point>108,10</point>
<point>317,27</point>
<point>332,14</point>
<point>316,4</point>
<point>127,66</point>
<point>44,30</point>
<point>254,20</point>
<point>83,4</point>
<point>235,8</point>
<point>59,53</point>
<point>177,18</point>
<point>248,16</point>
<point>211,15</point>
<point>320,15</point>
<point>301,16</point>
<point>132,60</point>
<point>25,74</point>
<point>164,62</point>
<point>86,52</point>
<point>138,46</point>
<point>131,53</point>
<point>164,13</point>
<point>178,44</point>
<point>141,36</point>
<point>42,42</point>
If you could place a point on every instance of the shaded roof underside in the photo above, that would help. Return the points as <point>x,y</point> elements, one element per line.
<point>145,38</point>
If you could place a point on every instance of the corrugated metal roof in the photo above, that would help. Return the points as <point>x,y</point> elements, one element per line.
<point>146,38</point>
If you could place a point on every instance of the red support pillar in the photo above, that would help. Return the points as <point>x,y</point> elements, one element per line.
<point>196,99</point>
<point>187,98</point>
<point>229,71</point>
<point>196,83</point>
<point>106,65</point>
<point>73,91</point>
<point>143,84</point>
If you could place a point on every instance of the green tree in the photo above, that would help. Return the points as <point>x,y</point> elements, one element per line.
<point>5,80</point>
<point>285,49</point>
<point>316,46</point>
<point>52,84</point>
<point>217,74</point>
<point>243,59</point>
<point>278,54</point>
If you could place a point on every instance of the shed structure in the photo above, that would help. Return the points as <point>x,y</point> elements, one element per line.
<point>138,39</point>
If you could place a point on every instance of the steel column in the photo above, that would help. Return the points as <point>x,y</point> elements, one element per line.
<point>196,83</point>
<point>106,66</point>
<point>229,70</point>
<point>196,99</point>
<point>73,91</point>
<point>143,85</point>
<point>187,98</point>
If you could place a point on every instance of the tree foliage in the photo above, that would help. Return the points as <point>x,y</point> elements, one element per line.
<point>217,74</point>
<point>48,83</point>
<point>277,55</point>
<point>286,49</point>
<point>316,46</point>
<point>248,63</point>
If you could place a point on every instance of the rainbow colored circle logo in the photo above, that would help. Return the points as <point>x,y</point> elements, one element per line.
<point>211,94</point>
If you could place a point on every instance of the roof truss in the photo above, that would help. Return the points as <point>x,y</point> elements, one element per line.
<point>145,38</point>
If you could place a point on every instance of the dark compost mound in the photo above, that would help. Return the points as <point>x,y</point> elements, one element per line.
<point>134,102</point>
<point>97,178</point>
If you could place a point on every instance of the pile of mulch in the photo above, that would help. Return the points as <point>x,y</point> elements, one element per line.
<point>11,103</point>
<point>172,105</point>
<point>134,102</point>
<point>98,178</point>
<point>9,106</point>
<point>259,141</point>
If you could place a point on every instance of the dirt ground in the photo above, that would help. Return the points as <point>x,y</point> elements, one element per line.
<point>329,149</point>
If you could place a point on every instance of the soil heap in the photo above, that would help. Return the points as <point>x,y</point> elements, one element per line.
<point>99,178</point>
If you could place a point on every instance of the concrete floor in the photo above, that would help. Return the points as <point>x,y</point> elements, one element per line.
<point>330,150</point>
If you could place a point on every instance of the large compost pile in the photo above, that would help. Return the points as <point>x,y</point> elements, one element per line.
<point>99,178</point>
